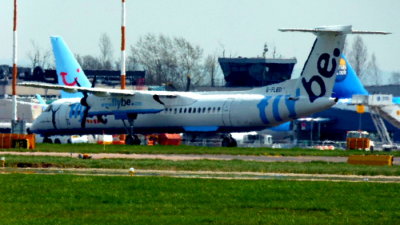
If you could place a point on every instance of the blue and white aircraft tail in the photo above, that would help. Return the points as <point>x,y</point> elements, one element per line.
<point>347,82</point>
<point>69,72</point>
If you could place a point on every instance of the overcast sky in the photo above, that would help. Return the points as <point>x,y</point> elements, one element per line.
<point>241,27</point>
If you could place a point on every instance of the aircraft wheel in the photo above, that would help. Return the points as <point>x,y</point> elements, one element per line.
<point>132,140</point>
<point>57,141</point>
<point>229,142</point>
<point>233,142</point>
<point>47,140</point>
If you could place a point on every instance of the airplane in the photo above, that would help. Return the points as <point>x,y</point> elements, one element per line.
<point>114,111</point>
<point>346,85</point>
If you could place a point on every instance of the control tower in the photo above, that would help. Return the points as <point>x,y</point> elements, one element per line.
<point>255,72</point>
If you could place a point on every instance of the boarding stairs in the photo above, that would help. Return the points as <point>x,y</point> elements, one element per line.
<point>380,105</point>
<point>380,125</point>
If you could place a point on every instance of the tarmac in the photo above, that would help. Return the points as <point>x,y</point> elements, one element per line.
<point>179,157</point>
<point>200,174</point>
<point>204,174</point>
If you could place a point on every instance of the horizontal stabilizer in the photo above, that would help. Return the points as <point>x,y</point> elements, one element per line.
<point>332,29</point>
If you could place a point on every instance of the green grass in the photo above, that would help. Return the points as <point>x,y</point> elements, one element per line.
<point>69,199</point>
<point>95,148</point>
<point>203,165</point>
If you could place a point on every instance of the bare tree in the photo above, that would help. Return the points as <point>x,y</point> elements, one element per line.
<point>395,78</point>
<point>89,62</point>
<point>106,52</point>
<point>189,58</point>
<point>211,67</point>
<point>373,70</point>
<point>167,60</point>
<point>358,56</point>
<point>39,57</point>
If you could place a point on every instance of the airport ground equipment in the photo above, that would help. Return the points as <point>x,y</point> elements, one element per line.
<point>377,160</point>
<point>26,141</point>
<point>359,140</point>
<point>380,105</point>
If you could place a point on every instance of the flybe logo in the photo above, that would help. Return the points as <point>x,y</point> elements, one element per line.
<point>326,67</point>
<point>118,103</point>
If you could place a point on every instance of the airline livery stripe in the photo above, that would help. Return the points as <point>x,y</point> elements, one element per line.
<point>275,109</point>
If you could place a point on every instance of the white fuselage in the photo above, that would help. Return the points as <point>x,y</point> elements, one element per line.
<point>187,112</point>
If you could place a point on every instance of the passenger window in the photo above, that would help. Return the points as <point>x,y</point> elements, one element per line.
<point>180,110</point>
<point>219,109</point>
<point>194,110</point>
<point>175,110</point>
<point>209,109</point>
<point>184,111</point>
<point>213,109</point>
<point>190,110</point>
<point>204,109</point>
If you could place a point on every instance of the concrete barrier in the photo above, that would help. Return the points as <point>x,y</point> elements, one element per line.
<point>379,160</point>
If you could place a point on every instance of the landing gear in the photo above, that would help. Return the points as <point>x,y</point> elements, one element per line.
<point>228,141</point>
<point>132,140</point>
<point>47,140</point>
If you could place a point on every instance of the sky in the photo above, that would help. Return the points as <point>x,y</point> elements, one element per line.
<point>236,27</point>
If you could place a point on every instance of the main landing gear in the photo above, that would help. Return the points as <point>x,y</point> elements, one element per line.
<point>228,141</point>
<point>131,138</point>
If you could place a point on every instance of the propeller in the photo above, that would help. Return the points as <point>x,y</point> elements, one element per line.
<point>84,103</point>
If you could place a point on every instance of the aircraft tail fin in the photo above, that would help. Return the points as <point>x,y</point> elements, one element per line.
<point>319,72</point>
<point>41,101</point>
<point>69,72</point>
<point>347,82</point>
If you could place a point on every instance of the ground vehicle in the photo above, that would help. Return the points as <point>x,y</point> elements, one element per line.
<point>63,139</point>
<point>252,139</point>
<point>359,140</point>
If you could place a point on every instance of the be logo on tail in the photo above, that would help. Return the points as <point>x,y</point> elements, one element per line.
<point>325,69</point>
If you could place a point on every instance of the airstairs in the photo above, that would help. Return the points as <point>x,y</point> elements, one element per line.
<point>380,105</point>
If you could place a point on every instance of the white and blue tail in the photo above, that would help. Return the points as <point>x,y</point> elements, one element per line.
<point>69,72</point>
<point>319,73</point>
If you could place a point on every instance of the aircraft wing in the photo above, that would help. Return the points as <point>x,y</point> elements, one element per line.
<point>100,92</point>
<point>73,89</point>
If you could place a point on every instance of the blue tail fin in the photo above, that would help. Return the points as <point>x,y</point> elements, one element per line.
<point>69,72</point>
<point>347,83</point>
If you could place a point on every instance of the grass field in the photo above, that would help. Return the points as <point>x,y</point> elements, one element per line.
<point>69,199</point>
<point>203,165</point>
<point>95,148</point>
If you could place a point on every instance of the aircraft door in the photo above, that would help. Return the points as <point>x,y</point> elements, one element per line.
<point>226,112</point>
